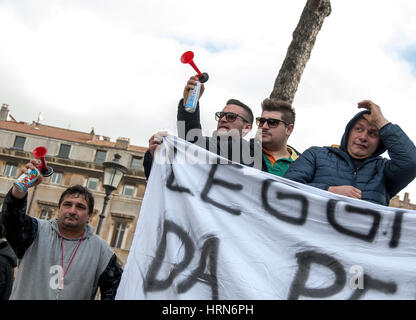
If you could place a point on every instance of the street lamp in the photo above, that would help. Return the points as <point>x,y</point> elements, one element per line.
<point>113,173</point>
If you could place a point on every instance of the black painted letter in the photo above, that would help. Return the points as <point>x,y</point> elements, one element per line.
<point>177,188</point>
<point>305,259</point>
<point>397,228</point>
<point>282,196</point>
<point>209,251</point>
<point>211,181</point>
<point>369,237</point>
<point>374,284</point>
<point>151,283</point>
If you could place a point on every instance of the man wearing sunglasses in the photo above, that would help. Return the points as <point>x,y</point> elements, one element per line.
<point>236,118</point>
<point>274,127</point>
<point>234,121</point>
<point>356,169</point>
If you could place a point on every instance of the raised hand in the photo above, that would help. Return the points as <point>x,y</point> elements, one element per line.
<point>155,141</point>
<point>189,86</point>
<point>32,164</point>
<point>375,117</point>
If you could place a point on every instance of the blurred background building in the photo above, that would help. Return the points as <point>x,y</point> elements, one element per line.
<point>405,203</point>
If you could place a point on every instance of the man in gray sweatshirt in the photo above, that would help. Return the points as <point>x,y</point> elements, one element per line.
<point>61,258</point>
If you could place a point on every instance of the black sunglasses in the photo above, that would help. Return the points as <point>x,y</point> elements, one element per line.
<point>272,123</point>
<point>229,116</point>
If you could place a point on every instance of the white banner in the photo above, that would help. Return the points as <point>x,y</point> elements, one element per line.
<point>209,231</point>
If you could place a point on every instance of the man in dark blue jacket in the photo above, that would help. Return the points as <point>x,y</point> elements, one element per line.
<point>356,169</point>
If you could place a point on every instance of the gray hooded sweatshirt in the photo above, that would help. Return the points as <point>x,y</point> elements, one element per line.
<point>40,269</point>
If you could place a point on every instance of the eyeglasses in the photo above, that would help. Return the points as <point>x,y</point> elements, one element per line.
<point>272,123</point>
<point>229,116</point>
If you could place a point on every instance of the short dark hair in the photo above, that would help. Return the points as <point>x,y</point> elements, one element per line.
<point>245,107</point>
<point>80,190</point>
<point>285,108</point>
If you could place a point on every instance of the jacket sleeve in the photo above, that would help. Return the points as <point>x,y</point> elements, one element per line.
<point>6,278</point>
<point>110,279</point>
<point>3,276</point>
<point>303,169</point>
<point>400,170</point>
<point>189,124</point>
<point>20,229</point>
<point>147,164</point>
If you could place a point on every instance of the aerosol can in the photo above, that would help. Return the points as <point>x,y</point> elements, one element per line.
<point>26,180</point>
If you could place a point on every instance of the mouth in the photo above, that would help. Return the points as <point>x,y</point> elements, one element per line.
<point>223,128</point>
<point>265,133</point>
<point>361,146</point>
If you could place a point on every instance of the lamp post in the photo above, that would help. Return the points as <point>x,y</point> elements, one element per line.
<point>113,173</point>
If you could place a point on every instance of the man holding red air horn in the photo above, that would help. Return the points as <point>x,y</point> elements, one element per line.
<point>234,121</point>
<point>61,258</point>
<point>269,152</point>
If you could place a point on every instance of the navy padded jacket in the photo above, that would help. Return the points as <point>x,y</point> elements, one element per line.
<point>378,178</point>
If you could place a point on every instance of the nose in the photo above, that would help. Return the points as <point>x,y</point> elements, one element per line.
<point>363,136</point>
<point>265,125</point>
<point>72,209</point>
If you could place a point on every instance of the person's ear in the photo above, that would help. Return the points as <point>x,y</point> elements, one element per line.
<point>249,126</point>
<point>289,129</point>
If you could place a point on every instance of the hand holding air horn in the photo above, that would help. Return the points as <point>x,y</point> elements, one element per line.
<point>26,180</point>
<point>193,96</point>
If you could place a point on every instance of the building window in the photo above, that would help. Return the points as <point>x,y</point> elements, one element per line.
<point>136,163</point>
<point>19,142</point>
<point>128,190</point>
<point>92,183</point>
<point>56,178</point>
<point>118,235</point>
<point>10,170</point>
<point>64,151</point>
<point>47,209</point>
<point>100,156</point>
<point>45,214</point>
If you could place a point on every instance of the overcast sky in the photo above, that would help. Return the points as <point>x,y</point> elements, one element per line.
<point>115,65</point>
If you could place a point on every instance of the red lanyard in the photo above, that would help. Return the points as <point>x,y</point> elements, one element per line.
<point>62,256</point>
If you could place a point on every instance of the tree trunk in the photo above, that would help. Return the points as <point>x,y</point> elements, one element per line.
<point>300,49</point>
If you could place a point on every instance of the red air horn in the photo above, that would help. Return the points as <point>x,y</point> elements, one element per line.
<point>40,153</point>
<point>188,57</point>
<point>26,180</point>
